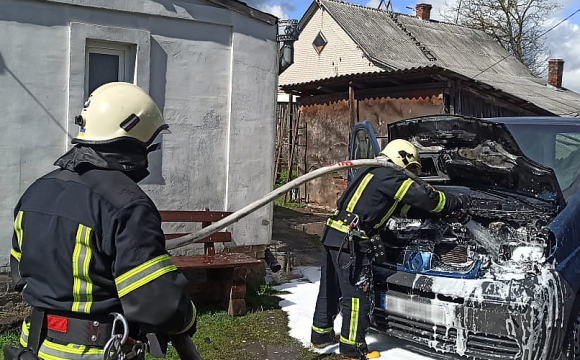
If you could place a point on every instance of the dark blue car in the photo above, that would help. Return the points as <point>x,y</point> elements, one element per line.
<point>506,284</point>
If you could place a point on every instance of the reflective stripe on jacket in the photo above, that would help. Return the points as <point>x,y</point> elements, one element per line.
<point>91,243</point>
<point>376,194</point>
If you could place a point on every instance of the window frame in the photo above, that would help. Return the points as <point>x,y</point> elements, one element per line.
<point>126,56</point>
<point>323,46</point>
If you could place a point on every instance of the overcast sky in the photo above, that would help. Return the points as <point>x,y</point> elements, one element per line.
<point>563,42</point>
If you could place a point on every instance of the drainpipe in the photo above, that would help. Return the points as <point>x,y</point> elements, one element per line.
<point>287,34</point>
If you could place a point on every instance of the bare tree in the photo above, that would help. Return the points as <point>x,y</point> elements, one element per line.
<point>516,24</point>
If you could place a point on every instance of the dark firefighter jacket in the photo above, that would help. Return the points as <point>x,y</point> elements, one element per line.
<point>88,240</point>
<point>376,194</point>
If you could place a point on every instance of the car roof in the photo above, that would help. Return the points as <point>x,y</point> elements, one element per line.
<point>544,120</point>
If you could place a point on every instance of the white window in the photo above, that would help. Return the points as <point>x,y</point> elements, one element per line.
<point>107,62</point>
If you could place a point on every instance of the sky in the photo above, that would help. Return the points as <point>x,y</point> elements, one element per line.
<point>563,42</point>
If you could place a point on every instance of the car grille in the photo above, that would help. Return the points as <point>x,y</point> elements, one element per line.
<point>451,253</point>
<point>479,346</point>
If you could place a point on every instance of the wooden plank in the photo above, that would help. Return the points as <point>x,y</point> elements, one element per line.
<point>221,260</point>
<point>351,105</point>
<point>213,238</point>
<point>192,216</point>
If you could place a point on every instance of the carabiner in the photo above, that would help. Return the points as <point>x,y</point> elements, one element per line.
<point>112,349</point>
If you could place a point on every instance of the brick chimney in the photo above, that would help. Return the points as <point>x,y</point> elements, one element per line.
<point>555,70</point>
<point>423,11</point>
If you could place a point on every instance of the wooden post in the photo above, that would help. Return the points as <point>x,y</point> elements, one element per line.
<point>351,105</point>
<point>280,144</point>
<point>290,159</point>
<point>208,248</point>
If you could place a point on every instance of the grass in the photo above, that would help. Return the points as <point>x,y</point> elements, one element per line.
<point>279,201</point>
<point>221,336</point>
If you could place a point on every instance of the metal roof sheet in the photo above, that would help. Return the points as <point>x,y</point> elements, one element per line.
<point>394,41</point>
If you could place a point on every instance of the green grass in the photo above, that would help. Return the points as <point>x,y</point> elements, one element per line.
<point>279,201</point>
<point>221,336</point>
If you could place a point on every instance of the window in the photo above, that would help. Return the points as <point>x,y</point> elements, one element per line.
<point>319,42</point>
<point>108,62</point>
<point>554,146</point>
<point>363,146</point>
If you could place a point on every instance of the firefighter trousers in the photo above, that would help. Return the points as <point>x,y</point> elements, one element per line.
<point>347,289</point>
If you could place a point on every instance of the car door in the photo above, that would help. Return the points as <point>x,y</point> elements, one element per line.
<point>363,143</point>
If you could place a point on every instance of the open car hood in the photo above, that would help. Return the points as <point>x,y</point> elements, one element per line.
<point>470,151</point>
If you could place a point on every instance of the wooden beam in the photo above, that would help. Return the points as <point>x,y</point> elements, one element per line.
<point>351,105</point>
<point>325,90</point>
<point>397,91</point>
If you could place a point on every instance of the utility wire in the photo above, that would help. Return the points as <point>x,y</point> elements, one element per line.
<point>544,33</point>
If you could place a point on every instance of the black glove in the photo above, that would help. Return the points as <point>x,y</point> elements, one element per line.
<point>460,214</point>
<point>463,202</point>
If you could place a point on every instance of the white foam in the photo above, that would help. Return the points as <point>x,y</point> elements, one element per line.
<point>299,304</point>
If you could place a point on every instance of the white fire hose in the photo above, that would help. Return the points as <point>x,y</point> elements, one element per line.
<point>232,218</point>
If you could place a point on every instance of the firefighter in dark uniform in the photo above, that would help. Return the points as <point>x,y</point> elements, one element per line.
<point>88,241</point>
<point>374,195</point>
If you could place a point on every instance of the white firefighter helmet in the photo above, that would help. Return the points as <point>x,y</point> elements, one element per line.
<point>116,111</point>
<point>402,153</point>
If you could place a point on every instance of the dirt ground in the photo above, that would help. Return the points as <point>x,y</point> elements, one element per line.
<point>296,235</point>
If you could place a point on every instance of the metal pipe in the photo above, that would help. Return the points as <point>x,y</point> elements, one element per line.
<point>225,222</point>
<point>272,262</point>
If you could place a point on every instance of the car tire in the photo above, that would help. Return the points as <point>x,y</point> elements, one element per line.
<point>571,348</point>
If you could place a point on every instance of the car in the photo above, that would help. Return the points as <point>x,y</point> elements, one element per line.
<point>504,285</point>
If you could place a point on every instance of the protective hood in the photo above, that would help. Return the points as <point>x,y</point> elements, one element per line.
<point>126,157</point>
<point>469,151</point>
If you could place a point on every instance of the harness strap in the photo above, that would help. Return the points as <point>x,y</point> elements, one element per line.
<point>37,330</point>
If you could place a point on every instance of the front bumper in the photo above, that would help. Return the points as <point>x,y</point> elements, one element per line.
<point>477,318</point>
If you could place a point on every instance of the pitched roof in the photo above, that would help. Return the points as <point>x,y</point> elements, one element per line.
<point>398,42</point>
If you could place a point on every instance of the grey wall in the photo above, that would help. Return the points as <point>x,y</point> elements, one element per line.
<point>212,71</point>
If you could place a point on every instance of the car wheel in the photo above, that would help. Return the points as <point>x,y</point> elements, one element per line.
<point>572,341</point>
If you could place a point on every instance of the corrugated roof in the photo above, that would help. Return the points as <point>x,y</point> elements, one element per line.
<point>394,41</point>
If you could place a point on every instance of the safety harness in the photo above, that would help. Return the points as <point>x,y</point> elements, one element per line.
<point>50,333</point>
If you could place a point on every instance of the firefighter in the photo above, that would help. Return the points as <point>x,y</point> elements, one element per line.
<point>88,241</point>
<point>371,198</point>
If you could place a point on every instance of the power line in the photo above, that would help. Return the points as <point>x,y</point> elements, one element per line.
<point>544,33</point>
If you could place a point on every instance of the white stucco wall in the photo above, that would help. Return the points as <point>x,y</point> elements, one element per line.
<point>340,56</point>
<point>212,71</point>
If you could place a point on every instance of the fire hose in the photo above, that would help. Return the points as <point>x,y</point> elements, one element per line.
<point>245,211</point>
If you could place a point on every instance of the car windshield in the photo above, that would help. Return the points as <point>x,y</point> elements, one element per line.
<point>554,146</point>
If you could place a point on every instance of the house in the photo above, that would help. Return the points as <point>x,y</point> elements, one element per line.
<point>211,65</point>
<point>355,63</point>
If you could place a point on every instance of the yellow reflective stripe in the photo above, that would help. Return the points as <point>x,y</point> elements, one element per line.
<point>387,215</point>
<point>76,276</point>
<point>350,342</point>
<point>442,201</point>
<point>322,330</point>
<point>192,321</point>
<point>87,262</point>
<point>140,268</point>
<point>146,280</point>
<point>358,192</point>
<point>82,284</point>
<point>15,254</point>
<point>339,225</point>
<point>403,189</point>
<point>353,319</point>
<point>405,210</point>
<point>72,349</point>
<point>399,195</point>
<point>18,228</point>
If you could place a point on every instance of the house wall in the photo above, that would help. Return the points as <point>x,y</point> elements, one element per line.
<point>212,71</point>
<point>328,126</point>
<point>340,56</point>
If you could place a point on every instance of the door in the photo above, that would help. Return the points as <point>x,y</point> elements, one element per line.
<point>364,144</point>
